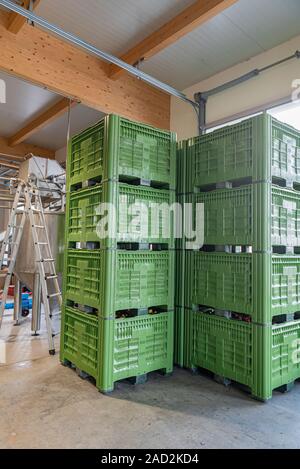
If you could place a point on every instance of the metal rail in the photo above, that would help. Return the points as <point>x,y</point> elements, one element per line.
<point>38,20</point>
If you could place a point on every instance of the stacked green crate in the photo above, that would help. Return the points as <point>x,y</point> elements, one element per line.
<point>119,289</point>
<point>179,320</point>
<point>255,285</point>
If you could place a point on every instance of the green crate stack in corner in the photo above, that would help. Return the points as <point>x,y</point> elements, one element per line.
<point>118,293</point>
<point>242,289</point>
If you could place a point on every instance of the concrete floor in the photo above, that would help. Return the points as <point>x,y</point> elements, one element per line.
<point>45,405</point>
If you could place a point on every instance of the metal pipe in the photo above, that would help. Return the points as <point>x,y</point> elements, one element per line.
<point>230,84</point>
<point>296,55</point>
<point>38,20</point>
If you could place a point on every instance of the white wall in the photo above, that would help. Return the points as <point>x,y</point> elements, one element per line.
<point>272,85</point>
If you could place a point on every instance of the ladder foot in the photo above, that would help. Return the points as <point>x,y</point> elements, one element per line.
<point>52,352</point>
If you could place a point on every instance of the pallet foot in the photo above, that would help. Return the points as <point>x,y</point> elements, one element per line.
<point>166,373</point>
<point>222,380</point>
<point>259,399</point>
<point>135,380</point>
<point>286,387</point>
<point>66,363</point>
<point>142,312</point>
<point>107,392</point>
<point>82,374</point>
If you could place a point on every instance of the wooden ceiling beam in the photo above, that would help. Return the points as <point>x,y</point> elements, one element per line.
<point>16,22</point>
<point>19,152</point>
<point>45,118</point>
<point>42,59</point>
<point>185,22</point>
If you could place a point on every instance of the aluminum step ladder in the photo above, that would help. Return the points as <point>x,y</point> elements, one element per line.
<point>33,209</point>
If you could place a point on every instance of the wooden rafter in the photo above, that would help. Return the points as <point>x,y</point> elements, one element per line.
<point>42,59</point>
<point>185,22</point>
<point>41,121</point>
<point>19,152</point>
<point>16,22</point>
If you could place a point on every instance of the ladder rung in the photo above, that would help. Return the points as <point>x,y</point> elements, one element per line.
<point>53,295</point>
<point>42,243</point>
<point>46,260</point>
<point>48,277</point>
<point>39,226</point>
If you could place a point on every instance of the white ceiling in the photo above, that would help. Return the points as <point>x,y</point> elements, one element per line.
<point>24,102</point>
<point>54,135</point>
<point>242,31</point>
<point>113,25</point>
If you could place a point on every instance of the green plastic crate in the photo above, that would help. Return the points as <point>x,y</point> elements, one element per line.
<point>116,349</point>
<point>285,284</point>
<point>83,276</point>
<point>181,167</point>
<point>116,147</point>
<point>131,202</point>
<point>259,285</point>
<point>257,148</point>
<point>182,336</point>
<point>285,353</point>
<point>120,280</point>
<point>223,346</point>
<point>82,212</point>
<point>180,265</point>
<point>219,280</point>
<point>134,347</point>
<point>79,340</point>
<point>143,280</point>
<point>262,358</point>
<point>238,216</point>
<point>86,154</point>
<point>285,229</point>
